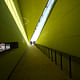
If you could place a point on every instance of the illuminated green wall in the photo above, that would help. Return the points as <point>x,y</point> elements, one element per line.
<point>31,11</point>
<point>9,33</point>
<point>62,30</point>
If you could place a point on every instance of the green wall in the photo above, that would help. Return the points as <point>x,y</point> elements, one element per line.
<point>9,33</point>
<point>62,29</point>
<point>62,32</point>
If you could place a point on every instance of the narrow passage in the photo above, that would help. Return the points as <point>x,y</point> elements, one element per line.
<point>36,66</point>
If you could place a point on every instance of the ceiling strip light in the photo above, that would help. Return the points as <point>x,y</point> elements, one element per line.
<point>42,20</point>
<point>14,13</point>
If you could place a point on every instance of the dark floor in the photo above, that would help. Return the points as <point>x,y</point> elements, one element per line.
<point>36,66</point>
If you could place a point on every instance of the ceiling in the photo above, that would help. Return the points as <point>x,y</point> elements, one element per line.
<point>31,11</point>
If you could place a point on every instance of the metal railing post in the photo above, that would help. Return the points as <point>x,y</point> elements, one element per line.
<point>61,62</point>
<point>70,70</point>
<point>55,58</point>
<point>51,56</point>
<point>48,53</point>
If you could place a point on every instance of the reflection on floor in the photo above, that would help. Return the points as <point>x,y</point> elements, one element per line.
<point>36,66</point>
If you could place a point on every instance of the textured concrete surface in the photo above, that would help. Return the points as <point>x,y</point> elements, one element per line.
<point>36,66</point>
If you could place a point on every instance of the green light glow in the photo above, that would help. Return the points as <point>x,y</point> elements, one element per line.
<point>14,13</point>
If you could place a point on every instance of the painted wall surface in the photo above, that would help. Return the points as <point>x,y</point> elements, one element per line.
<point>31,11</point>
<point>9,33</point>
<point>62,29</point>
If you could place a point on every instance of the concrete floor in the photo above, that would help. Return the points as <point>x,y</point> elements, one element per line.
<point>36,66</point>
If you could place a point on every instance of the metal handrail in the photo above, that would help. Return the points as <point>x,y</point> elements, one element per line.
<point>50,50</point>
